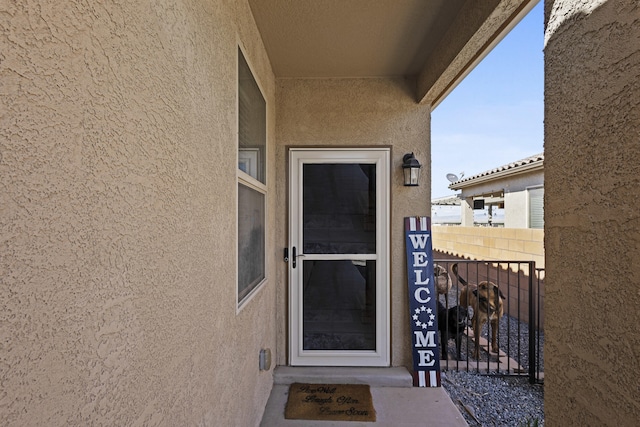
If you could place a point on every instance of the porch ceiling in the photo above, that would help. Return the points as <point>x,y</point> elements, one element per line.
<point>434,42</point>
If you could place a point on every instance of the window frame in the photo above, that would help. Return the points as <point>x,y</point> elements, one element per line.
<point>530,191</point>
<point>245,179</point>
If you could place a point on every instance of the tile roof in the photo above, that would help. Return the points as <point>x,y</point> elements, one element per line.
<point>527,163</point>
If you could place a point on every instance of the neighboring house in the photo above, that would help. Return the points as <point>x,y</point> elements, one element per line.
<point>156,159</point>
<point>508,202</point>
<point>509,196</point>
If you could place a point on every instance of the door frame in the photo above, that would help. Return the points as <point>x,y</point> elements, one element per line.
<point>381,156</point>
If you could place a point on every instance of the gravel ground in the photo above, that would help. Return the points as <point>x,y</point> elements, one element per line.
<point>513,339</point>
<point>496,400</point>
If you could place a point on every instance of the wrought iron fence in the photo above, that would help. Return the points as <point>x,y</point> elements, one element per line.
<point>519,337</point>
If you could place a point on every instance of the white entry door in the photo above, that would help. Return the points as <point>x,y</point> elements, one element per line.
<point>338,257</point>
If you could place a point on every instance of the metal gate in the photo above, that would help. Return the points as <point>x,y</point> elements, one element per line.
<point>519,338</point>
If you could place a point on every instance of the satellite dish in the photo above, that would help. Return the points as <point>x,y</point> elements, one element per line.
<point>452,177</point>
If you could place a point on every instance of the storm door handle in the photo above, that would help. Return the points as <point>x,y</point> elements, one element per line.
<point>294,257</point>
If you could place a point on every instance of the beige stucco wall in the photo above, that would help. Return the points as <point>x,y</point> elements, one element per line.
<point>491,243</point>
<point>357,113</point>
<point>516,199</point>
<point>592,224</point>
<point>118,194</point>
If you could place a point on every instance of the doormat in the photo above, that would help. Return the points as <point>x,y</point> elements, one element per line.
<point>330,402</point>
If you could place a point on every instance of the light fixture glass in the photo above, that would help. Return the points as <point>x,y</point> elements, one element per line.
<point>411,168</point>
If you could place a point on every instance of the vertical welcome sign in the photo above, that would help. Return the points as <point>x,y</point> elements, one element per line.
<point>422,302</point>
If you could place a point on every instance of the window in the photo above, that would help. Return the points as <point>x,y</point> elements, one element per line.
<point>252,138</point>
<point>536,207</point>
<point>252,123</point>
<point>251,230</point>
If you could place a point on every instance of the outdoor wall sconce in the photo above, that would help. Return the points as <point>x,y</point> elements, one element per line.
<point>411,168</point>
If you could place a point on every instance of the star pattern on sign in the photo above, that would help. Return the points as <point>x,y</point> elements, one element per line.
<point>429,314</point>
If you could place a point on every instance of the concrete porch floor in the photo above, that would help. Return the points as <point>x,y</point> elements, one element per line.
<point>396,401</point>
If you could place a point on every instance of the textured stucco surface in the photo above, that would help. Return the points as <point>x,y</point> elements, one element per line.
<point>117,197</point>
<point>357,113</point>
<point>592,224</point>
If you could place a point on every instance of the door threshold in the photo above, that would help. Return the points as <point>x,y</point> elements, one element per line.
<point>377,377</point>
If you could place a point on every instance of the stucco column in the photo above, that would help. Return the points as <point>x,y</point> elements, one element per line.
<point>592,221</point>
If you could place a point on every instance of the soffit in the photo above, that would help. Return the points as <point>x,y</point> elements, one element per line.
<point>434,42</point>
<point>351,38</point>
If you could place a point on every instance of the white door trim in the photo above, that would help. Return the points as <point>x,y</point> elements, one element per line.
<point>297,354</point>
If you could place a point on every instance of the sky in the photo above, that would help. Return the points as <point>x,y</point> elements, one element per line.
<point>495,115</point>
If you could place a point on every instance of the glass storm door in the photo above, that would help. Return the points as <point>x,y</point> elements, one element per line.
<point>338,257</point>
